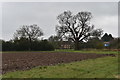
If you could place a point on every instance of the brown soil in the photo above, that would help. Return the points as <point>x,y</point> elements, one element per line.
<point>28,60</point>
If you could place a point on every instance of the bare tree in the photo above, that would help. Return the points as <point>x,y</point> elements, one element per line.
<point>76,27</point>
<point>29,32</point>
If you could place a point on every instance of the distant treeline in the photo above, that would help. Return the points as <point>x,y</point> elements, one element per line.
<point>25,45</point>
<point>54,42</point>
<point>100,44</point>
<point>92,43</point>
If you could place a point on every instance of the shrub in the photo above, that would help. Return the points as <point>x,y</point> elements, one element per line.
<point>24,45</point>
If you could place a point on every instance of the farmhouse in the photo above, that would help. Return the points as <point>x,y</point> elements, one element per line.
<point>66,45</point>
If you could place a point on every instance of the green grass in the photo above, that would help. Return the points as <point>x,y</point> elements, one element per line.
<point>70,50</point>
<point>106,67</point>
<point>89,51</point>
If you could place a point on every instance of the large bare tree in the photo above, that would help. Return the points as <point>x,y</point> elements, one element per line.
<point>29,32</point>
<point>76,27</point>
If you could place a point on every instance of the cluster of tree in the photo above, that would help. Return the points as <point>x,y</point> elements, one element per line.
<point>100,43</point>
<point>92,43</point>
<point>56,41</point>
<point>24,45</point>
<point>107,38</point>
<point>82,33</point>
<point>26,38</point>
<point>96,43</point>
<point>115,43</point>
<point>75,28</point>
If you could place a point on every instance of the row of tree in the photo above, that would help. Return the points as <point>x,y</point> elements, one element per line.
<point>92,43</point>
<point>54,42</point>
<point>96,43</point>
<point>24,45</point>
<point>27,38</point>
<point>74,28</point>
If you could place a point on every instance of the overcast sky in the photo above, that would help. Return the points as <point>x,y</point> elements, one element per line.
<point>14,15</point>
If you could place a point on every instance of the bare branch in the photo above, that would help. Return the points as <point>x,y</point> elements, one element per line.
<point>78,26</point>
<point>31,32</point>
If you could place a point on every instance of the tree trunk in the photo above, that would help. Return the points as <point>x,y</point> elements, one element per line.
<point>77,45</point>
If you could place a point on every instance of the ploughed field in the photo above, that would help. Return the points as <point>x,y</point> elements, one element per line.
<point>27,60</point>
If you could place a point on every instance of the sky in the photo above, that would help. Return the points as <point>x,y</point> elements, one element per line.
<point>44,14</point>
